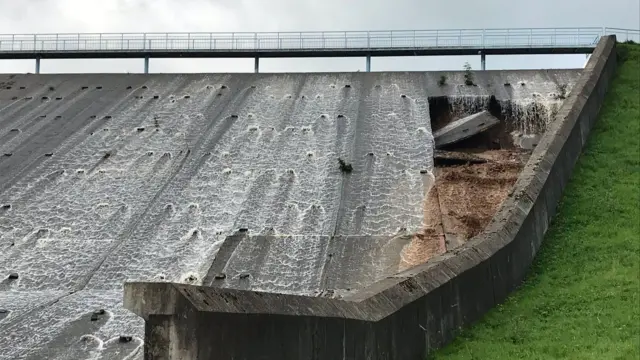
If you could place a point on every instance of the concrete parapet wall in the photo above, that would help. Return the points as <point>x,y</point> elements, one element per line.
<point>405,316</point>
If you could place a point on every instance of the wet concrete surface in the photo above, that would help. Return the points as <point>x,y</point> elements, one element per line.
<point>185,178</point>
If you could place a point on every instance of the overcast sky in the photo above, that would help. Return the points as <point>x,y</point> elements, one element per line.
<point>53,16</point>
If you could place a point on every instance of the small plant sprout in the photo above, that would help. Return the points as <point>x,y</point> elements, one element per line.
<point>344,167</point>
<point>443,80</point>
<point>468,74</point>
<point>562,91</point>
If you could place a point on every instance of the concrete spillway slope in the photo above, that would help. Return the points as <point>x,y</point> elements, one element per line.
<point>113,178</point>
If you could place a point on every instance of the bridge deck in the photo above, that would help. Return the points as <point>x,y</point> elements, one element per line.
<point>88,54</point>
<point>302,44</point>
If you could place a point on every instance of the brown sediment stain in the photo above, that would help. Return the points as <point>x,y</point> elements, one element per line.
<point>431,240</point>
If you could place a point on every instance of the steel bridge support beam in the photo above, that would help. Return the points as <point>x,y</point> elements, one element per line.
<point>256,65</point>
<point>37,65</point>
<point>146,64</point>
<point>368,63</point>
<point>483,61</point>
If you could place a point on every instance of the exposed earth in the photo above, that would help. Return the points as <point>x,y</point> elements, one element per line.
<point>463,200</point>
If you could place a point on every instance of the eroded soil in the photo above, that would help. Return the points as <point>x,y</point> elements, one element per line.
<point>462,201</point>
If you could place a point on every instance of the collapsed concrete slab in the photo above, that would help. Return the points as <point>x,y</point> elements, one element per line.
<point>464,128</point>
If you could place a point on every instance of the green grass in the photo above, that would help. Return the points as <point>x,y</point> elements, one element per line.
<point>581,299</point>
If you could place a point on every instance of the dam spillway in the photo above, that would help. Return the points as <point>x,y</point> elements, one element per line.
<point>215,179</point>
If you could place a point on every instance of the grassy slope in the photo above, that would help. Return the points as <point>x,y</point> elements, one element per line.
<point>582,297</point>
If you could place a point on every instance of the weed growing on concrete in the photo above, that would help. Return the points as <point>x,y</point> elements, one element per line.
<point>468,74</point>
<point>562,91</point>
<point>443,80</point>
<point>344,167</point>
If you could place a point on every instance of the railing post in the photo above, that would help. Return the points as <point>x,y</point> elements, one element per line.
<point>34,43</point>
<point>144,41</point>
<point>368,40</point>
<point>579,38</point>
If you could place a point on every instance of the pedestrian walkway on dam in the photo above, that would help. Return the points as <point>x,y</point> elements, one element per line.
<point>367,44</point>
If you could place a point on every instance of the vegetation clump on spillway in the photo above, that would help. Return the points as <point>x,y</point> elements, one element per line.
<point>581,298</point>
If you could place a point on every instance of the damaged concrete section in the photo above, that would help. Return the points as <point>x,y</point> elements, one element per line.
<point>469,195</point>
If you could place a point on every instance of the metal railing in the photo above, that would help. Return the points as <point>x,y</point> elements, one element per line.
<point>309,41</point>
<point>623,35</point>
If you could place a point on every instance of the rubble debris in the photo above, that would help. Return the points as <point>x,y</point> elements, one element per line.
<point>449,158</point>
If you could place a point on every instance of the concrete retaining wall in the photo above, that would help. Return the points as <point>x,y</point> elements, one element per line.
<point>402,317</point>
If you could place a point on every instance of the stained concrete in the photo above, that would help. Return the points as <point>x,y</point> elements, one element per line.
<point>406,315</point>
<point>113,178</point>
